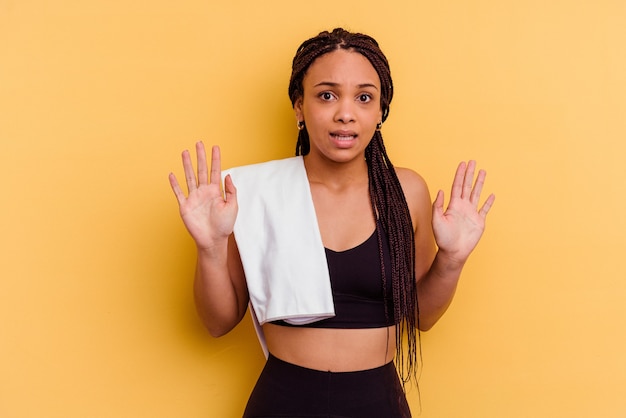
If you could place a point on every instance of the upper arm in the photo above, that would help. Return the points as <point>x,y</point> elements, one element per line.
<point>419,202</point>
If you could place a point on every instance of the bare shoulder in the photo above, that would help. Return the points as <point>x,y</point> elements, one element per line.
<point>419,202</point>
<point>413,185</point>
<point>416,194</point>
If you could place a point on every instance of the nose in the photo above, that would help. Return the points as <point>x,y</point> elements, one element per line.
<point>345,111</point>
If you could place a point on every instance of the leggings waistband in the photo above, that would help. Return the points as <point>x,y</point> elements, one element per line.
<point>288,390</point>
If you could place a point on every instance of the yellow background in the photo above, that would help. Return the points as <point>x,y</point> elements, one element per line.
<point>98,98</point>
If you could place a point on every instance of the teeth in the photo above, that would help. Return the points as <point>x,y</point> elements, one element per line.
<point>344,137</point>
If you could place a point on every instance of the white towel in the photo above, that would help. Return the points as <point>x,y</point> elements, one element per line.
<point>280,243</point>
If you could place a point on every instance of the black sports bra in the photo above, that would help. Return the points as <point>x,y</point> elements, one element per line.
<point>357,287</point>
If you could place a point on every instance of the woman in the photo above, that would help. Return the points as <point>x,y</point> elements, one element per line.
<point>374,245</point>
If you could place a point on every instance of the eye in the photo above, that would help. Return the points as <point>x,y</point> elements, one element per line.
<point>364,98</point>
<point>326,96</point>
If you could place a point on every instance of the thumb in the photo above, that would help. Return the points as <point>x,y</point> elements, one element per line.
<point>230,190</point>
<point>438,205</point>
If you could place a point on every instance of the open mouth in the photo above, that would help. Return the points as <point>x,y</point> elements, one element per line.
<point>343,136</point>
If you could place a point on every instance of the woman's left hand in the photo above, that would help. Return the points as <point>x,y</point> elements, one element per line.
<point>459,228</point>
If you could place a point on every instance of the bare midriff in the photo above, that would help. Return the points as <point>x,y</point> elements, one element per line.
<point>331,349</point>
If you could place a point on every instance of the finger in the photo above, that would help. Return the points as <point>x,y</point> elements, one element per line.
<point>468,180</point>
<point>230,190</point>
<point>203,176</point>
<point>216,165</point>
<point>180,196</point>
<point>478,187</point>
<point>484,210</point>
<point>457,183</point>
<point>190,176</point>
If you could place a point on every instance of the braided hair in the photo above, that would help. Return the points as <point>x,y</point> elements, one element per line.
<point>387,198</point>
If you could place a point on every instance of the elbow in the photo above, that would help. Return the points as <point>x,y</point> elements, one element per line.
<point>425,324</point>
<point>217,329</point>
<point>425,327</point>
<point>217,332</point>
<point>218,322</point>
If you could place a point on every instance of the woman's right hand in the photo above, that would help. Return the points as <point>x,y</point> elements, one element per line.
<point>208,214</point>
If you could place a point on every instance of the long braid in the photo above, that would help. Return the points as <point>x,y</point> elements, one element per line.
<point>393,213</point>
<point>387,198</point>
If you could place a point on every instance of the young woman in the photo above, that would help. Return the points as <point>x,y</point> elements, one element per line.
<point>333,249</point>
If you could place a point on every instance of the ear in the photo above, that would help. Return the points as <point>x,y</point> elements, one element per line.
<point>297,108</point>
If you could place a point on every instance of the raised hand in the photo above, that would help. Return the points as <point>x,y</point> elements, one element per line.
<point>459,228</point>
<point>208,214</point>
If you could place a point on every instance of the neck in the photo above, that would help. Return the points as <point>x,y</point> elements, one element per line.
<point>336,175</point>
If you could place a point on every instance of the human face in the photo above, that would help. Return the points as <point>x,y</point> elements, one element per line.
<point>340,105</point>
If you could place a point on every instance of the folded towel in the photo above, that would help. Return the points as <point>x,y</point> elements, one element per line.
<point>280,243</point>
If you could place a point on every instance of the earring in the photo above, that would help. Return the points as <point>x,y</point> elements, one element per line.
<point>300,125</point>
<point>379,126</point>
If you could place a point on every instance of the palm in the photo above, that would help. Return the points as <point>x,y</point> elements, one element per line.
<point>207,215</point>
<point>459,228</point>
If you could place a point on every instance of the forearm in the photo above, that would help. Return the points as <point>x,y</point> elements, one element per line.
<point>220,302</point>
<point>437,288</point>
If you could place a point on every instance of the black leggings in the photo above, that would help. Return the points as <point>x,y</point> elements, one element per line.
<point>288,390</point>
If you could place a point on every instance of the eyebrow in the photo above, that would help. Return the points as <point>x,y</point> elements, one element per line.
<point>331,84</point>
